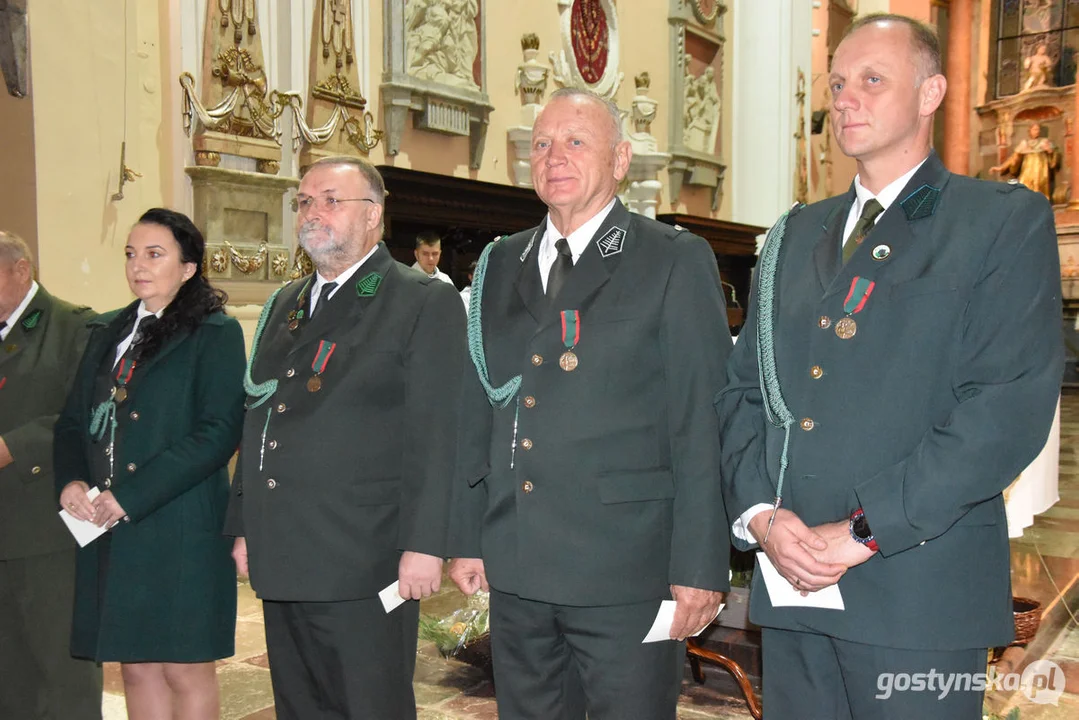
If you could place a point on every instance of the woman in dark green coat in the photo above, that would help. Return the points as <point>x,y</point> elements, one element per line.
<point>152,420</point>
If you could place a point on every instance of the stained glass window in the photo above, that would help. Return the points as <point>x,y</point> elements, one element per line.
<point>1037,41</point>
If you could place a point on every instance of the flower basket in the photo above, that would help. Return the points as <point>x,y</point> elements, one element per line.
<point>1028,615</point>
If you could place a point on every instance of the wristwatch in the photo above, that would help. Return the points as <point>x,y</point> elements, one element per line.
<point>860,532</point>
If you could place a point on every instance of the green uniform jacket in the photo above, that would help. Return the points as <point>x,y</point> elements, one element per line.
<point>38,360</point>
<point>944,394</point>
<point>333,485</point>
<point>599,486</point>
<point>170,590</point>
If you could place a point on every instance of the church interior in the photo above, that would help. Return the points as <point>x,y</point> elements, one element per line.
<point>214,107</point>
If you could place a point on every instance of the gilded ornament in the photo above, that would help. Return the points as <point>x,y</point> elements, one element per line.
<point>207,158</point>
<point>219,261</point>
<point>706,10</point>
<point>279,264</point>
<point>247,264</point>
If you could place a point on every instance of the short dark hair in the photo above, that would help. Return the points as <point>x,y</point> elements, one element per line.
<point>428,237</point>
<point>368,170</point>
<point>923,38</point>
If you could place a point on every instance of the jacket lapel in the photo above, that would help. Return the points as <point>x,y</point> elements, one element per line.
<point>596,264</point>
<point>828,252</point>
<point>346,308</point>
<point>528,282</point>
<point>29,328</point>
<point>895,232</point>
<point>107,334</point>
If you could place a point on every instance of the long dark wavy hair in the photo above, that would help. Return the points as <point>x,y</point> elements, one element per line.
<point>196,299</point>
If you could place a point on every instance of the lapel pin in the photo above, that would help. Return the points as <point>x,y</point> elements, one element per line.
<point>881,252</point>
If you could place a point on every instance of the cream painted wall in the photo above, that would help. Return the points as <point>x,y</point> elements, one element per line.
<point>78,54</point>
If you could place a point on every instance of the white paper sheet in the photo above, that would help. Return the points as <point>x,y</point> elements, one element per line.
<point>661,627</point>
<point>391,599</point>
<point>84,531</point>
<point>783,594</point>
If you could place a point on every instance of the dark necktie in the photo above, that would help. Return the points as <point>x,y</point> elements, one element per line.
<point>141,327</point>
<point>323,297</point>
<point>861,228</point>
<point>563,263</point>
<point>3,324</point>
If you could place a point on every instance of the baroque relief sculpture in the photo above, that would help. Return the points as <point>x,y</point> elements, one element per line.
<point>334,98</point>
<point>644,107</point>
<point>442,40</point>
<point>700,113</point>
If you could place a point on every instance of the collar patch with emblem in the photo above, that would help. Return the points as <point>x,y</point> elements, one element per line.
<point>368,286</point>
<point>30,321</point>
<point>611,243</point>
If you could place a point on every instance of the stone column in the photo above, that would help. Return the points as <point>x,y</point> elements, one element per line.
<point>956,150</point>
<point>1074,159</point>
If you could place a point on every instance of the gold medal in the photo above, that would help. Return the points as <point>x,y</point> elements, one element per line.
<point>121,394</point>
<point>845,328</point>
<point>314,383</point>
<point>568,361</point>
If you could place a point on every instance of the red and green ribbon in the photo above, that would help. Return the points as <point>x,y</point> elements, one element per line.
<point>571,328</point>
<point>860,290</point>
<point>123,374</point>
<point>322,357</point>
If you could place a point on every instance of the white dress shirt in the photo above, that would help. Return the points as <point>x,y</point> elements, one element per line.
<point>126,342</point>
<point>578,241</point>
<point>341,279</point>
<point>19,310</point>
<point>437,275</point>
<point>887,196</point>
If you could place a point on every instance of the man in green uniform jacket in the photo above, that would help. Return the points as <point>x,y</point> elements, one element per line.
<point>41,341</point>
<point>588,489</point>
<point>888,400</point>
<point>343,481</point>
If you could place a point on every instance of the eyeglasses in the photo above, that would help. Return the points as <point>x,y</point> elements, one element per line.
<point>327,204</point>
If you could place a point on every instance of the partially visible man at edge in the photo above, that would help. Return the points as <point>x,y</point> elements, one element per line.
<point>41,341</point>
<point>916,327</point>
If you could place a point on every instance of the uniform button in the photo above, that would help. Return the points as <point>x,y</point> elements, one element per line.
<point>132,467</point>
<point>530,402</point>
<point>273,444</point>
<point>816,372</point>
<point>291,372</point>
<point>36,470</point>
<point>107,483</point>
<point>825,322</point>
<point>526,444</point>
<point>526,486</point>
<point>807,424</point>
<point>271,483</point>
<point>537,360</point>
<point>281,407</point>
<point>108,451</point>
<point>134,416</point>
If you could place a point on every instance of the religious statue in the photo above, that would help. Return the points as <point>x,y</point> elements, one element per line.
<point>700,113</point>
<point>1039,67</point>
<point>442,40</point>
<point>1034,162</point>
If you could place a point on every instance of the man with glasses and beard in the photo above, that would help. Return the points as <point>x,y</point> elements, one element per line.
<point>343,477</point>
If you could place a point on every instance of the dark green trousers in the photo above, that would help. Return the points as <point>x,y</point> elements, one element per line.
<point>555,662</point>
<point>39,680</point>
<point>815,677</point>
